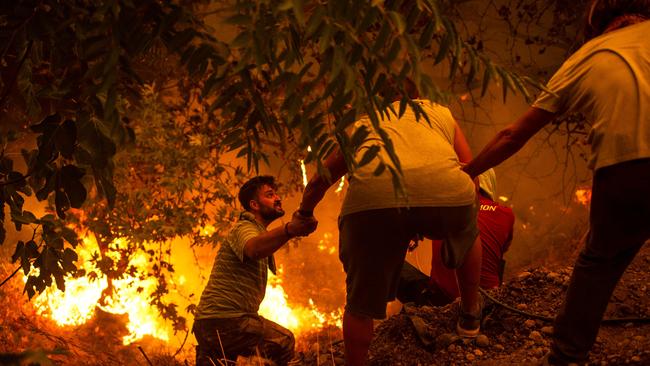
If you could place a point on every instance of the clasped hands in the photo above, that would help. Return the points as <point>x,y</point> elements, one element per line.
<point>302,225</point>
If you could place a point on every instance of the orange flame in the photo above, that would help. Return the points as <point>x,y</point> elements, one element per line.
<point>583,196</point>
<point>131,295</point>
<point>298,319</point>
<point>82,296</point>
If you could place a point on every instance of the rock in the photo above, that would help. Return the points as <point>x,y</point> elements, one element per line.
<point>482,340</point>
<point>522,306</point>
<point>499,347</point>
<point>409,308</point>
<point>639,338</point>
<point>537,352</point>
<point>636,359</point>
<point>421,329</point>
<point>470,357</point>
<point>478,352</point>
<point>523,275</point>
<point>446,339</point>
<point>536,336</point>
<point>530,323</point>
<point>547,330</point>
<point>452,348</point>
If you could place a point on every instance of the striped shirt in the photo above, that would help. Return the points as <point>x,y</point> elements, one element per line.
<point>237,284</point>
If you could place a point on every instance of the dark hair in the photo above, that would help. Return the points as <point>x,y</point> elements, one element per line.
<point>248,191</point>
<point>601,13</point>
<point>392,91</point>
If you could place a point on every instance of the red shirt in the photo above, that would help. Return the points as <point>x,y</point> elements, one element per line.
<point>495,225</point>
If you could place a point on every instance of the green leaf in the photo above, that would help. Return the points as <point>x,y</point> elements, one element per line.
<point>31,249</point>
<point>426,36</point>
<point>48,124</point>
<point>19,252</point>
<point>369,155</point>
<point>381,167</point>
<point>65,138</point>
<point>398,21</point>
<point>380,41</point>
<point>24,217</point>
<point>444,48</point>
<point>487,75</point>
<point>506,81</point>
<point>62,203</point>
<point>71,184</point>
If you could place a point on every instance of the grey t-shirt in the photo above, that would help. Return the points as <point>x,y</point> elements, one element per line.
<point>237,284</point>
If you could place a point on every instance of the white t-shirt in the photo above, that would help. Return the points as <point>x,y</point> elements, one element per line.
<point>431,171</point>
<point>608,80</point>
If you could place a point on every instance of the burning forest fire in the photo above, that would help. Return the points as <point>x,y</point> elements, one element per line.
<point>130,295</point>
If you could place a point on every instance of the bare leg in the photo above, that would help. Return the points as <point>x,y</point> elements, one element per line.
<point>469,278</point>
<point>357,334</point>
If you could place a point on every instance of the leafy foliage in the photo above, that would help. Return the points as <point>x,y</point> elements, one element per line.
<point>270,79</point>
<point>75,65</point>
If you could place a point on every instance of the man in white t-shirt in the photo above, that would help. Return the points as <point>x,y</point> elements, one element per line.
<point>608,80</point>
<point>376,224</point>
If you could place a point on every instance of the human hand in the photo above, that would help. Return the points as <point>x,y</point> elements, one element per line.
<point>302,225</point>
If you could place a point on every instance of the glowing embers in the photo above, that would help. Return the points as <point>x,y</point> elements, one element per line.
<point>583,196</point>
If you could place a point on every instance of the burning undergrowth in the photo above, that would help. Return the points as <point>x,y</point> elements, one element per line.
<point>108,320</point>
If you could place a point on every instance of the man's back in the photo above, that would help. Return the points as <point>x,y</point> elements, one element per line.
<point>432,175</point>
<point>608,80</point>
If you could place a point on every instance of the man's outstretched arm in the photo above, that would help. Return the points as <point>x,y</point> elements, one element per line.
<point>319,184</point>
<point>509,140</point>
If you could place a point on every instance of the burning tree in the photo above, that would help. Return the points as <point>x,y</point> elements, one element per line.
<point>125,112</point>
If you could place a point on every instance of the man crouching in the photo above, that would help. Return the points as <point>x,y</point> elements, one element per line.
<point>226,322</point>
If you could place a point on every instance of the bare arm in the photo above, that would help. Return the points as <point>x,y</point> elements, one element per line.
<point>266,244</point>
<point>269,242</point>
<point>509,140</point>
<point>319,184</point>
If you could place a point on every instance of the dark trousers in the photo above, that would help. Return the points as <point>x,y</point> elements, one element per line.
<point>415,287</point>
<point>619,225</point>
<point>243,336</point>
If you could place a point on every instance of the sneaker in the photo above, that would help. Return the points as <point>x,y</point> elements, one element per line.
<point>469,325</point>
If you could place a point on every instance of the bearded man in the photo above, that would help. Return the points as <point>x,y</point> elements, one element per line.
<point>226,323</point>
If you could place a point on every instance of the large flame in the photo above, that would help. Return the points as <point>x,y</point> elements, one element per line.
<point>130,296</point>
<point>83,295</point>
<point>298,319</point>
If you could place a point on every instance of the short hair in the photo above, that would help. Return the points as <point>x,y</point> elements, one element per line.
<point>248,191</point>
<point>602,12</point>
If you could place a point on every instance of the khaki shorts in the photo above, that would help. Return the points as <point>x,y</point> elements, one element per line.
<point>373,245</point>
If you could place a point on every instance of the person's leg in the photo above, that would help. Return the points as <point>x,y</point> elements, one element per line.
<point>469,278</point>
<point>619,225</point>
<point>461,249</point>
<point>373,245</point>
<point>278,344</point>
<point>357,334</point>
<point>224,339</point>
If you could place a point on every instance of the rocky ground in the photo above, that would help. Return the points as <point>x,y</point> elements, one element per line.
<point>425,335</point>
<point>416,336</point>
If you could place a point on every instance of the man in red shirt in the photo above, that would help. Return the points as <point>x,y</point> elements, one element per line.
<point>495,224</point>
